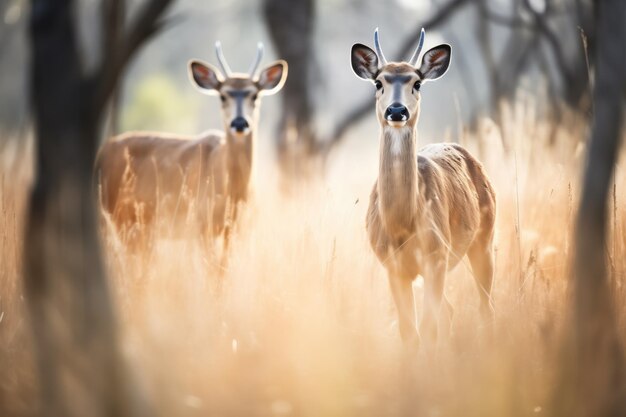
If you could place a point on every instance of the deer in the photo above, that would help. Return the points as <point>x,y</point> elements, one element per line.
<point>142,173</point>
<point>428,207</point>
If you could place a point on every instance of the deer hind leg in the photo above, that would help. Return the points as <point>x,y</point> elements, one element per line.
<point>433,297</point>
<point>480,255</point>
<point>448,312</point>
<point>402,291</point>
<point>225,248</point>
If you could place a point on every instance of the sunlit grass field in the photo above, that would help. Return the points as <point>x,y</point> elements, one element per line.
<point>302,322</point>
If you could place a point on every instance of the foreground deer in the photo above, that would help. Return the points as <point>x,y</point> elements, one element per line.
<point>205,176</point>
<point>428,208</point>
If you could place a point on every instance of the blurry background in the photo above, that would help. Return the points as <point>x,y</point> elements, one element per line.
<point>501,48</point>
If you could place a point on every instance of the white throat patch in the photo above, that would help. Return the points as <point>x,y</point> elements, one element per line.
<point>397,136</point>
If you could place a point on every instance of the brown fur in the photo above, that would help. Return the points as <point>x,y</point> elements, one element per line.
<point>427,210</point>
<point>142,174</point>
<point>399,68</point>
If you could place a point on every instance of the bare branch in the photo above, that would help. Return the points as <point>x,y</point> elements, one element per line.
<point>441,16</point>
<point>518,22</point>
<point>483,35</point>
<point>507,21</point>
<point>352,118</point>
<point>557,51</point>
<point>147,22</point>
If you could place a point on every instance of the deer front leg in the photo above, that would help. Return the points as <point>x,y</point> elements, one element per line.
<point>433,295</point>
<point>230,223</point>
<point>402,291</point>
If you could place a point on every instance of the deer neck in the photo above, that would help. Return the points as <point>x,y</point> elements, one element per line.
<point>239,158</point>
<point>397,181</point>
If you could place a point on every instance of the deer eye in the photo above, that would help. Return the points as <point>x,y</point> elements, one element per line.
<point>417,85</point>
<point>378,84</point>
<point>254,97</point>
<point>223,98</point>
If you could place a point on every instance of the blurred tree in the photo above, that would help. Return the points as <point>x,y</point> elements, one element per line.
<point>593,382</point>
<point>74,328</point>
<point>290,24</point>
<point>13,101</point>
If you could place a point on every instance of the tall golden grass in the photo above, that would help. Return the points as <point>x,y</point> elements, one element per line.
<point>302,322</point>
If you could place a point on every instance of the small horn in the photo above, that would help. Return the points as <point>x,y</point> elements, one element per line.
<point>221,59</point>
<point>257,60</point>
<point>379,50</point>
<point>416,54</point>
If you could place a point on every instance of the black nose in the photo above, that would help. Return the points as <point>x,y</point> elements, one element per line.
<point>239,124</point>
<point>397,113</point>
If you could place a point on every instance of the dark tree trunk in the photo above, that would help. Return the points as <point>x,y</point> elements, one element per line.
<point>593,382</point>
<point>80,369</point>
<point>290,24</point>
<point>577,92</point>
<point>64,277</point>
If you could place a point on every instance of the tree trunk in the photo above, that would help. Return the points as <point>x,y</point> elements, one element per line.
<point>80,368</point>
<point>65,282</point>
<point>290,24</point>
<point>593,382</point>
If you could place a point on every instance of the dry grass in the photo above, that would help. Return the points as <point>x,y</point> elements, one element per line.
<point>302,323</point>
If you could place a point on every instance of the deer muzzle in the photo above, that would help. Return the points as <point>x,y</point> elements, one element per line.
<point>397,113</point>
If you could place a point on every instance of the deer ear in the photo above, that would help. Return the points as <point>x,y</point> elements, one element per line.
<point>205,77</point>
<point>364,62</point>
<point>435,62</point>
<point>273,77</point>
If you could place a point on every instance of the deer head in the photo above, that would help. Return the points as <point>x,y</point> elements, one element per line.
<point>398,83</point>
<point>239,92</point>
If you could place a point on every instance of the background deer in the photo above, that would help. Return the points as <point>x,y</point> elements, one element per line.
<point>428,208</point>
<point>202,178</point>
